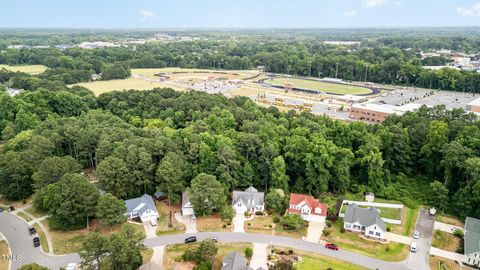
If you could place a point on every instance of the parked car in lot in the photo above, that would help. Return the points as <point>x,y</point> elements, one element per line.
<point>190,239</point>
<point>331,246</point>
<point>32,230</point>
<point>416,234</point>
<point>36,241</point>
<point>413,246</point>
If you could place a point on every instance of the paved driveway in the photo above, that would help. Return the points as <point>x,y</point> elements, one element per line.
<point>259,258</point>
<point>315,230</point>
<point>419,259</point>
<point>190,224</point>
<point>232,237</point>
<point>16,231</point>
<point>239,222</point>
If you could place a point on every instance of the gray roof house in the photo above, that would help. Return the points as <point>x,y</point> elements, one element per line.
<point>366,220</point>
<point>142,207</point>
<point>472,241</point>
<point>248,200</point>
<point>235,261</point>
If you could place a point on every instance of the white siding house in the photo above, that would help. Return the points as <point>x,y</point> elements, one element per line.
<point>142,207</point>
<point>187,207</point>
<point>249,200</point>
<point>364,220</point>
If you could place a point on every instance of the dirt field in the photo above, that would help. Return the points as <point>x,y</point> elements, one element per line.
<point>321,86</point>
<point>32,69</point>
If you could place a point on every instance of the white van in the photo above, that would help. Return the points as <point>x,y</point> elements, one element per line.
<point>153,222</point>
<point>413,247</point>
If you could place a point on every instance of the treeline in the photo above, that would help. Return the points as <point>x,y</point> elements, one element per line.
<point>142,141</point>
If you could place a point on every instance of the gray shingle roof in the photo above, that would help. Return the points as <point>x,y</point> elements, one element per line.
<point>140,204</point>
<point>472,235</point>
<point>365,216</point>
<point>235,261</point>
<point>250,197</point>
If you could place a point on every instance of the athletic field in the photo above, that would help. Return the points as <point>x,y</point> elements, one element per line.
<point>333,88</point>
<point>32,69</point>
<point>100,87</point>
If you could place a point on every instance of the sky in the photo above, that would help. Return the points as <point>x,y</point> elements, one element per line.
<point>237,14</point>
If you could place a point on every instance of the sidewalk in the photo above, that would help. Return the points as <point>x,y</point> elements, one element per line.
<point>399,238</point>
<point>446,227</point>
<point>447,254</point>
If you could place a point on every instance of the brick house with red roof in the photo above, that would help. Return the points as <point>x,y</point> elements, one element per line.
<point>308,207</point>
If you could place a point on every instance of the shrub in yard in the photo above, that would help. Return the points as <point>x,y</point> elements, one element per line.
<point>328,223</point>
<point>326,232</point>
<point>276,219</point>
<point>227,213</point>
<point>249,224</point>
<point>224,226</point>
<point>389,229</point>
<point>329,268</point>
<point>248,252</point>
<point>342,230</point>
<point>229,223</point>
<point>387,249</point>
<point>290,251</point>
<point>292,222</point>
<point>247,214</point>
<point>458,233</point>
<point>259,213</point>
<point>270,226</point>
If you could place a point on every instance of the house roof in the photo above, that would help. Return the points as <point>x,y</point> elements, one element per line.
<point>365,216</point>
<point>472,235</point>
<point>185,198</point>
<point>250,197</point>
<point>140,204</point>
<point>158,194</point>
<point>235,261</point>
<point>310,201</point>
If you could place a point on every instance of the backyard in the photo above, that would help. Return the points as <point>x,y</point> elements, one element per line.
<point>333,88</point>
<point>390,213</point>
<point>447,241</point>
<point>162,225</point>
<point>409,220</point>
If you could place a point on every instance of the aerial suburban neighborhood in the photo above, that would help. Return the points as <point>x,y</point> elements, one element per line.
<point>252,135</point>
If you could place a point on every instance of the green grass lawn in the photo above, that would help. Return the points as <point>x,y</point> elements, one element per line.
<point>318,262</point>
<point>36,213</point>
<point>391,213</point>
<point>261,225</point>
<point>4,251</point>
<point>24,216</point>
<point>43,239</point>
<point>353,242</point>
<point>33,69</point>
<point>321,86</point>
<point>447,241</point>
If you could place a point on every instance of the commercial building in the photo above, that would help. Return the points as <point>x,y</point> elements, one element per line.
<point>474,105</point>
<point>377,113</point>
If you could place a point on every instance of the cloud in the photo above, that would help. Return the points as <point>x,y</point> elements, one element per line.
<point>349,13</point>
<point>374,3</point>
<point>147,15</point>
<point>473,11</point>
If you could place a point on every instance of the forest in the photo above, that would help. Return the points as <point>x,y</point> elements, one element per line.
<point>143,141</point>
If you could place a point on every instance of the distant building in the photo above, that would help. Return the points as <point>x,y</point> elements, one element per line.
<point>364,220</point>
<point>351,99</point>
<point>472,241</point>
<point>308,207</point>
<point>141,207</point>
<point>187,206</point>
<point>474,105</point>
<point>343,43</point>
<point>249,200</point>
<point>377,113</point>
<point>369,196</point>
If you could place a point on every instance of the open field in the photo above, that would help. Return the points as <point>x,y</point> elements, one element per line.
<point>3,251</point>
<point>176,73</point>
<point>71,241</point>
<point>437,263</point>
<point>173,253</point>
<point>32,69</point>
<point>321,86</point>
<point>353,242</point>
<point>162,226</point>
<point>100,87</point>
<point>447,241</point>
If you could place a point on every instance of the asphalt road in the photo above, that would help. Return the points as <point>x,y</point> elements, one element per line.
<point>21,245</point>
<point>355,258</point>
<point>419,259</point>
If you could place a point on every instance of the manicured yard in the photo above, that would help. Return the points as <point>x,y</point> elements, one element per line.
<point>321,86</point>
<point>164,213</point>
<point>35,212</point>
<point>312,261</point>
<point>172,255</point>
<point>447,241</point>
<point>261,225</point>
<point>4,251</point>
<point>390,213</point>
<point>409,220</point>
<point>24,216</point>
<point>437,263</point>
<point>71,241</point>
<point>353,242</point>
<point>43,239</point>
<point>34,69</point>
<point>212,224</point>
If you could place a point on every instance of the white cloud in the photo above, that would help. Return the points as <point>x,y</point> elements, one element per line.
<point>349,13</point>
<point>473,11</point>
<point>374,3</point>
<point>147,15</point>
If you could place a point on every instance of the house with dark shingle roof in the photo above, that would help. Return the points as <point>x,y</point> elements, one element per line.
<point>308,207</point>
<point>472,241</point>
<point>249,200</point>
<point>364,220</point>
<point>141,207</point>
<point>235,261</point>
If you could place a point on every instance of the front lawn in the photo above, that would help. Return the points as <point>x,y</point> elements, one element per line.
<point>353,242</point>
<point>173,253</point>
<point>447,241</point>
<point>312,261</point>
<point>35,212</point>
<point>212,224</point>
<point>24,216</point>
<point>262,225</point>
<point>437,263</point>
<point>163,210</point>
<point>43,239</point>
<point>4,251</point>
<point>65,242</point>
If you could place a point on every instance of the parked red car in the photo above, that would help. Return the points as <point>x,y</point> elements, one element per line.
<point>331,246</point>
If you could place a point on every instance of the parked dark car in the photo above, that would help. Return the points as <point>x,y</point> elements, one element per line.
<point>36,242</point>
<point>190,239</point>
<point>32,230</point>
<point>11,208</point>
<point>1,209</point>
<point>331,246</point>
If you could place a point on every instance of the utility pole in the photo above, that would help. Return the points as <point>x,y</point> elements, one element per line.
<point>336,70</point>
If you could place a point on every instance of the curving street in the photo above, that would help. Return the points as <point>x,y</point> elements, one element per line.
<point>15,230</point>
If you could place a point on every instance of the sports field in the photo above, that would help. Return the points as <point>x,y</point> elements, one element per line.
<point>100,87</point>
<point>321,86</point>
<point>32,69</point>
<point>185,73</point>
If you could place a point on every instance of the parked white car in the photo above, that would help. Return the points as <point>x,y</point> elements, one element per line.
<point>153,222</point>
<point>416,234</point>
<point>413,247</point>
<point>71,266</point>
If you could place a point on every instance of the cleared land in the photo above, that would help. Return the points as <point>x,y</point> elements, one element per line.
<point>321,86</point>
<point>163,222</point>
<point>449,220</point>
<point>447,241</point>
<point>100,87</point>
<point>33,69</point>
<point>212,224</point>
<point>437,263</point>
<point>3,251</point>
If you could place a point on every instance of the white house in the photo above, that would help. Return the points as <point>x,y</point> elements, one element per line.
<point>187,207</point>
<point>364,220</point>
<point>308,207</point>
<point>249,200</point>
<point>142,207</point>
<point>472,241</point>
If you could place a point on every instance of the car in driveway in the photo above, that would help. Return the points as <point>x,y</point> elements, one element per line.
<point>416,234</point>
<point>36,241</point>
<point>191,239</point>
<point>413,246</point>
<point>331,246</point>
